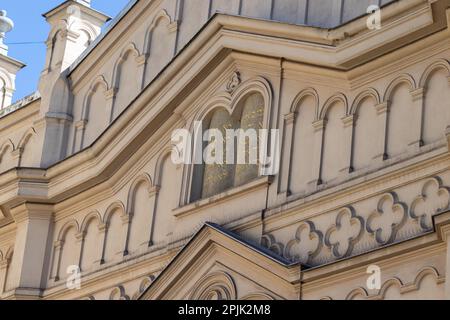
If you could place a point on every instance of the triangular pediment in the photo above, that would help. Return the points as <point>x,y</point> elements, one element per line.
<point>219,264</point>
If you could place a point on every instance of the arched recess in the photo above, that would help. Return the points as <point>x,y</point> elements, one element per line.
<point>96,113</point>
<point>55,47</point>
<point>168,183</point>
<point>215,286</point>
<point>7,160</point>
<point>118,293</point>
<point>436,109</point>
<point>366,126</point>
<point>159,44</point>
<point>258,297</point>
<point>141,200</point>
<point>334,139</point>
<point>126,79</point>
<point>91,253</point>
<point>29,156</point>
<point>247,107</point>
<point>70,248</point>
<point>116,229</point>
<point>306,110</point>
<point>357,294</point>
<point>401,115</point>
<point>390,290</point>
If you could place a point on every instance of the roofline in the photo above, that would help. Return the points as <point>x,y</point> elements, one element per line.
<point>15,62</point>
<point>96,12</point>
<point>132,3</point>
<point>234,236</point>
<point>114,22</point>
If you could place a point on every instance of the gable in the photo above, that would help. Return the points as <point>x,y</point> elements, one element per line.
<point>219,264</point>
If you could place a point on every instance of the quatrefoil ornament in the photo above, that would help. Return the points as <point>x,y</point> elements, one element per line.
<point>342,236</point>
<point>268,241</point>
<point>306,245</point>
<point>434,198</point>
<point>389,217</point>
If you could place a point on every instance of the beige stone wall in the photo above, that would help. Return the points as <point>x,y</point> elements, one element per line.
<point>363,178</point>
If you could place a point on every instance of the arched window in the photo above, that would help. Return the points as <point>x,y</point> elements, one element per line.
<point>245,122</point>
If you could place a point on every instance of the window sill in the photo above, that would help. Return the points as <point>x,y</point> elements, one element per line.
<point>191,208</point>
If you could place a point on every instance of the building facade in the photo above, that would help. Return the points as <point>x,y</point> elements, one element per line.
<point>359,208</point>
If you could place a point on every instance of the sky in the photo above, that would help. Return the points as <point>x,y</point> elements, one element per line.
<point>30,26</point>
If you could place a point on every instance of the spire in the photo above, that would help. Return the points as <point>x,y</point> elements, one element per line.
<point>6,25</point>
<point>8,66</point>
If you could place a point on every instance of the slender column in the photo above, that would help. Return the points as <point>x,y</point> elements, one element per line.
<point>154,191</point>
<point>382,112</point>
<point>347,151</point>
<point>289,121</point>
<point>3,270</point>
<point>80,241</point>
<point>110,96</point>
<point>141,63</point>
<point>57,249</point>
<point>102,232</point>
<point>153,194</point>
<point>126,222</point>
<point>417,125</point>
<point>319,130</point>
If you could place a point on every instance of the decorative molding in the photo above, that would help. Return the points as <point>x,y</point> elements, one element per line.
<point>433,199</point>
<point>385,222</point>
<point>233,82</point>
<point>345,233</point>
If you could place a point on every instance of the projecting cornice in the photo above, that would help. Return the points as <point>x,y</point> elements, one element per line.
<point>343,48</point>
<point>220,40</point>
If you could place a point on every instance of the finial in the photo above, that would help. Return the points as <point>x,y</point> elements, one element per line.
<point>6,25</point>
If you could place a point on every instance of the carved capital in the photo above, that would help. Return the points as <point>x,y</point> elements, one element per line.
<point>58,244</point>
<point>111,93</point>
<point>142,59</point>
<point>80,125</point>
<point>382,108</point>
<point>32,211</point>
<point>418,94</point>
<point>319,125</point>
<point>348,121</point>
<point>290,118</point>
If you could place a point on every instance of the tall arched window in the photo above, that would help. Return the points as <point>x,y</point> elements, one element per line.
<point>213,179</point>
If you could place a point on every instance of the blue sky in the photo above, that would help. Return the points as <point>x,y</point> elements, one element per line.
<point>30,26</point>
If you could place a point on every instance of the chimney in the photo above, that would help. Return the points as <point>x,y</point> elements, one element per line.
<point>8,66</point>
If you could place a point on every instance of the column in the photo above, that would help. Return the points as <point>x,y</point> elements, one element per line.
<point>288,139</point>
<point>319,130</point>
<point>382,112</point>
<point>31,250</point>
<point>102,232</point>
<point>155,191</point>
<point>110,96</point>
<point>417,125</point>
<point>3,270</point>
<point>142,63</point>
<point>347,151</point>
<point>126,221</point>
